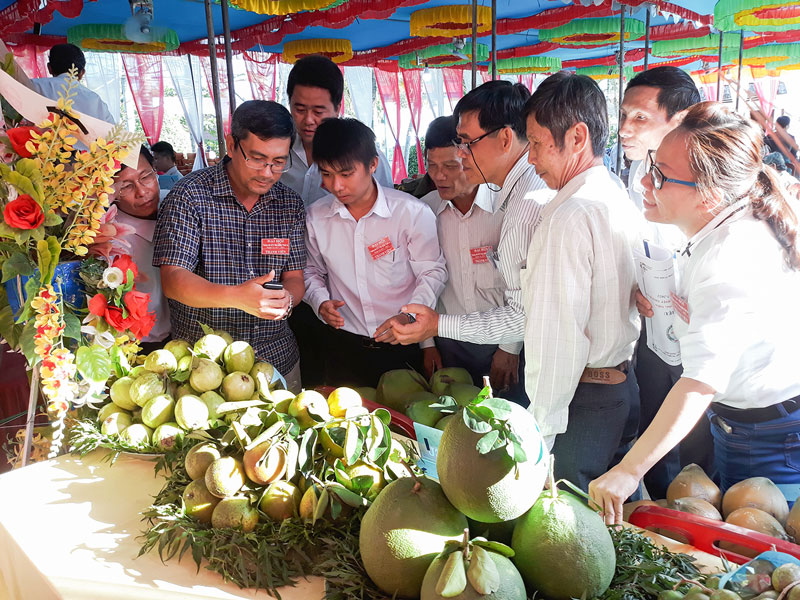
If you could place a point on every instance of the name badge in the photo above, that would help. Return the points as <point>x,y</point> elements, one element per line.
<point>275,246</point>
<point>480,255</point>
<point>681,306</point>
<point>381,248</point>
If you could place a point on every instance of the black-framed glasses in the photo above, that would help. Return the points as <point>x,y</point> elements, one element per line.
<point>464,146</point>
<point>279,165</point>
<point>126,188</point>
<point>657,176</point>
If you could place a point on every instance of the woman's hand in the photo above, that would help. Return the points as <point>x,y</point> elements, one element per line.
<point>610,491</point>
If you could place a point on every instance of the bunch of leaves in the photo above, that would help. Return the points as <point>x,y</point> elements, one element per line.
<point>644,569</point>
<point>85,436</point>
<point>491,417</point>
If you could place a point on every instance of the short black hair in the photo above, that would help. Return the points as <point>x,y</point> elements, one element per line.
<point>783,121</point>
<point>441,133</point>
<point>499,104</point>
<point>164,148</point>
<point>677,91</point>
<point>264,119</point>
<point>63,57</point>
<point>319,71</point>
<point>564,99</point>
<point>343,142</point>
<point>143,151</point>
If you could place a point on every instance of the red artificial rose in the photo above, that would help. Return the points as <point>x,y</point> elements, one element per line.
<point>98,305</point>
<point>23,213</point>
<point>18,137</point>
<point>136,303</point>
<point>114,318</point>
<point>123,263</point>
<point>141,328</point>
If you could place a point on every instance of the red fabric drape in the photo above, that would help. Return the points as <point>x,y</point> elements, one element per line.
<point>32,59</point>
<point>223,89</point>
<point>146,80</point>
<point>262,73</point>
<point>453,84</point>
<point>766,84</point>
<point>412,79</point>
<point>389,91</point>
<point>527,80</point>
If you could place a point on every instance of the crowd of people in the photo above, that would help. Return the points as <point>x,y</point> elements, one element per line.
<point>519,265</point>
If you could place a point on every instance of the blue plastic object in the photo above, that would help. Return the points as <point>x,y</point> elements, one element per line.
<point>428,439</point>
<point>737,578</point>
<point>66,282</point>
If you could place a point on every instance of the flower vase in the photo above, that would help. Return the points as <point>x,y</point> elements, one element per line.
<point>67,283</point>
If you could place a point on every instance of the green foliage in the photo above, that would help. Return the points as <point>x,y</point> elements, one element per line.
<point>490,416</point>
<point>93,363</point>
<point>17,264</point>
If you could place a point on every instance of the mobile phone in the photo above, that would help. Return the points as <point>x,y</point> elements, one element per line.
<point>273,285</point>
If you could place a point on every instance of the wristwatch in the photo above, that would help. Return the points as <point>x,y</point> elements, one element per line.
<point>288,310</point>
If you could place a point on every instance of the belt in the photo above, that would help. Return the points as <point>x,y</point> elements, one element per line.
<point>756,415</point>
<point>606,375</point>
<point>366,342</point>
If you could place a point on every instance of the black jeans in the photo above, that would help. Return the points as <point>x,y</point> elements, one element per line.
<point>309,331</point>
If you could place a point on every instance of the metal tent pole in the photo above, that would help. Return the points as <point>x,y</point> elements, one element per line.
<point>474,44</point>
<point>739,77</point>
<point>621,83</point>
<point>226,29</point>
<point>494,39</point>
<point>719,69</point>
<point>212,51</point>
<point>646,37</point>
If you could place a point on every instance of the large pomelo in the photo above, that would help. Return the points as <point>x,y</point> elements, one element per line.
<point>442,379</point>
<point>238,356</point>
<point>402,532</point>
<point>492,487</point>
<point>394,387</point>
<point>146,386</point>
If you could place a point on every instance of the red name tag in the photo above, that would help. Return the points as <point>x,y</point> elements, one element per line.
<point>381,248</point>
<point>681,306</point>
<point>275,246</point>
<point>480,255</point>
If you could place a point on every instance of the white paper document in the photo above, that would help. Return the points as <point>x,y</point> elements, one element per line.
<point>655,274</point>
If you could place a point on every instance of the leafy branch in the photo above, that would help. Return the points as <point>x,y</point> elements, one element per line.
<point>491,417</point>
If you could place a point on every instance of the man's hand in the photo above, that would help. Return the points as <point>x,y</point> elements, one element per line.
<point>504,371</point>
<point>384,332</point>
<point>425,326</point>
<point>431,360</point>
<point>609,491</point>
<point>643,305</point>
<point>329,312</point>
<point>253,299</point>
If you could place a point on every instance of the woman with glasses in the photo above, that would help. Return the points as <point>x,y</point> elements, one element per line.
<point>735,308</point>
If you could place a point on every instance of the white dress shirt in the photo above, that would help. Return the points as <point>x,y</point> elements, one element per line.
<point>84,102</point>
<point>149,280</point>
<point>520,202</point>
<point>661,234</point>
<point>579,291</point>
<point>341,264</point>
<point>305,179</point>
<point>743,330</point>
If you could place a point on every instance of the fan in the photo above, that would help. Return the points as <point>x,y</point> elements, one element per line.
<point>458,48</point>
<point>139,28</point>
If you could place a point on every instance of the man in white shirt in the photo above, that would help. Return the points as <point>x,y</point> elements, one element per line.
<point>136,195</point>
<point>579,283</point>
<point>492,146</point>
<point>370,250</point>
<point>61,59</point>
<point>164,164</point>
<point>654,104</point>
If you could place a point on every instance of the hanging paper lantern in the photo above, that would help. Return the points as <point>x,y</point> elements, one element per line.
<point>601,72</point>
<point>529,64</point>
<point>704,46</point>
<point>337,50</point>
<point>443,55</point>
<point>757,15</point>
<point>284,7</point>
<point>592,32</point>
<point>772,56</point>
<point>110,37</point>
<point>449,21</point>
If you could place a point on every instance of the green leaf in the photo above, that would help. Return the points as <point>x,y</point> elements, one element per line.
<point>362,483</point>
<point>501,409</point>
<point>305,457</point>
<point>52,219</point>
<point>322,505</point>
<point>517,453</point>
<point>346,496</point>
<point>206,329</point>
<point>93,363</point>
<point>9,330</point>
<point>6,231</point>
<point>29,169</point>
<point>341,475</point>
<point>383,414</point>
<point>72,327</point>
<point>17,264</point>
<point>23,184</point>
<point>497,547</point>
<point>31,289</point>
<point>292,453</point>
<point>336,507</point>
<point>353,443</point>
<point>119,362</point>
<point>26,342</point>
<point>486,443</point>
<point>474,423</point>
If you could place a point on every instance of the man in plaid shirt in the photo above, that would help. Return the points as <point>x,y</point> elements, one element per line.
<point>225,231</point>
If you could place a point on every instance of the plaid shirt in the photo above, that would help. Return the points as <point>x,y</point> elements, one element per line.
<point>204,229</point>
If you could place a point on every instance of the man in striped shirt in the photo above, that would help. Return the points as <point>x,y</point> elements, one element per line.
<point>491,143</point>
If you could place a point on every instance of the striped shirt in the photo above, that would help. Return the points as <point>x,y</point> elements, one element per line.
<point>579,291</point>
<point>203,228</point>
<point>520,202</point>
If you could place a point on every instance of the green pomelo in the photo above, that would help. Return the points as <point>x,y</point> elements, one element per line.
<point>199,458</point>
<point>146,386</point>
<point>167,436</point>
<point>198,501</point>
<point>116,423</point>
<point>191,413</point>
<point>368,393</point>
<point>263,373</point>
<point>206,375</point>
<point>396,386</point>
<point>421,411</point>
<point>496,489</point>
<point>463,393</point>
<point>137,371</point>
<point>309,407</point>
<point>184,390</point>
<point>403,530</point>
<point>137,435</point>
<point>442,423</point>
<point>237,386</point>
<point>178,348</point>
<point>224,335</point>
<point>235,513</point>
<point>239,356</point>
<point>281,501</point>
<point>158,410</point>
<point>108,410</point>
<point>282,400</point>
<point>442,379</point>
<point>120,393</point>
<point>212,400</point>
<point>211,347</point>
<point>563,548</point>
<point>511,585</point>
<point>225,477</point>
<point>161,361</point>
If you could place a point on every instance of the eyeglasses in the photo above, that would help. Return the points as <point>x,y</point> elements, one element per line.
<point>279,165</point>
<point>464,146</point>
<point>146,180</point>
<point>657,177</point>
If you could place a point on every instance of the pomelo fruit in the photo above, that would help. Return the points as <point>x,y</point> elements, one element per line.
<point>443,378</point>
<point>463,393</point>
<point>212,400</point>
<point>793,522</point>
<point>184,390</point>
<point>263,373</point>
<point>137,435</point>
<point>282,400</point>
<point>199,458</point>
<point>373,476</point>
<point>120,393</point>
<point>332,439</point>
<point>158,410</point>
<point>116,423</point>
<point>178,348</point>
<point>137,371</point>
<point>442,423</point>
<point>403,530</point>
<point>496,489</point>
<point>211,347</point>
<point>754,519</point>
<point>341,399</point>
<point>198,502</point>
<point>696,506</point>
<point>265,463</point>
<point>309,400</point>
<point>692,482</point>
<point>161,361</point>
<point>394,387</point>
<point>206,375</point>
<point>224,335</point>
<point>237,386</point>
<point>281,501</point>
<point>108,410</point>
<point>756,492</point>
<point>420,411</point>
<point>368,393</point>
<point>191,413</point>
<point>167,436</point>
<point>238,356</point>
<point>146,386</point>
<point>225,477</point>
<point>236,513</point>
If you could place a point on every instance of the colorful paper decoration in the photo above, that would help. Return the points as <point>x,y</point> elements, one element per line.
<point>442,55</point>
<point>598,73</point>
<point>757,15</point>
<point>592,32</point>
<point>110,37</point>
<point>337,50</point>
<point>706,45</point>
<point>449,21</point>
<point>284,7</point>
<point>529,64</point>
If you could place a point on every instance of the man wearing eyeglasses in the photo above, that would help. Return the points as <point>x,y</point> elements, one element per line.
<point>225,231</point>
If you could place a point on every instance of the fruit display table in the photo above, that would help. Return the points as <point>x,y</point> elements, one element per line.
<point>69,529</point>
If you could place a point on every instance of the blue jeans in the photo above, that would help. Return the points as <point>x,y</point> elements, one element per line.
<point>598,414</point>
<point>769,449</point>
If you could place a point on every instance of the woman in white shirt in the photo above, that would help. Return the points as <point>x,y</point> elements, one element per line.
<point>735,308</point>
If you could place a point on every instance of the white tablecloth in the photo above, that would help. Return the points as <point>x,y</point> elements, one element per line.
<point>69,529</point>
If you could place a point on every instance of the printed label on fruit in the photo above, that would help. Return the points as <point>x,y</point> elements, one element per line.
<point>681,306</point>
<point>275,246</point>
<point>381,248</point>
<point>480,255</point>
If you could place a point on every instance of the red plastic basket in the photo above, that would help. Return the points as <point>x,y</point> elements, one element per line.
<point>399,420</point>
<point>705,534</point>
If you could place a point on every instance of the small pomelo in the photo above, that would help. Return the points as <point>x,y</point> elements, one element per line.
<point>442,379</point>
<point>212,400</point>
<point>167,436</point>
<point>264,463</point>
<point>211,347</point>
<point>191,413</point>
<point>307,402</point>
<point>341,399</point>
<point>282,400</point>
<point>158,410</point>
<point>178,348</point>
<point>146,386</point>
<point>235,513</point>
<point>237,386</point>
<point>198,501</point>
<point>120,393</point>
<point>108,410</point>
<point>138,435</point>
<point>116,423</point>
<point>238,356</point>
<point>206,375</point>
<point>161,361</point>
<point>199,458</point>
<point>225,477</point>
<point>281,501</point>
